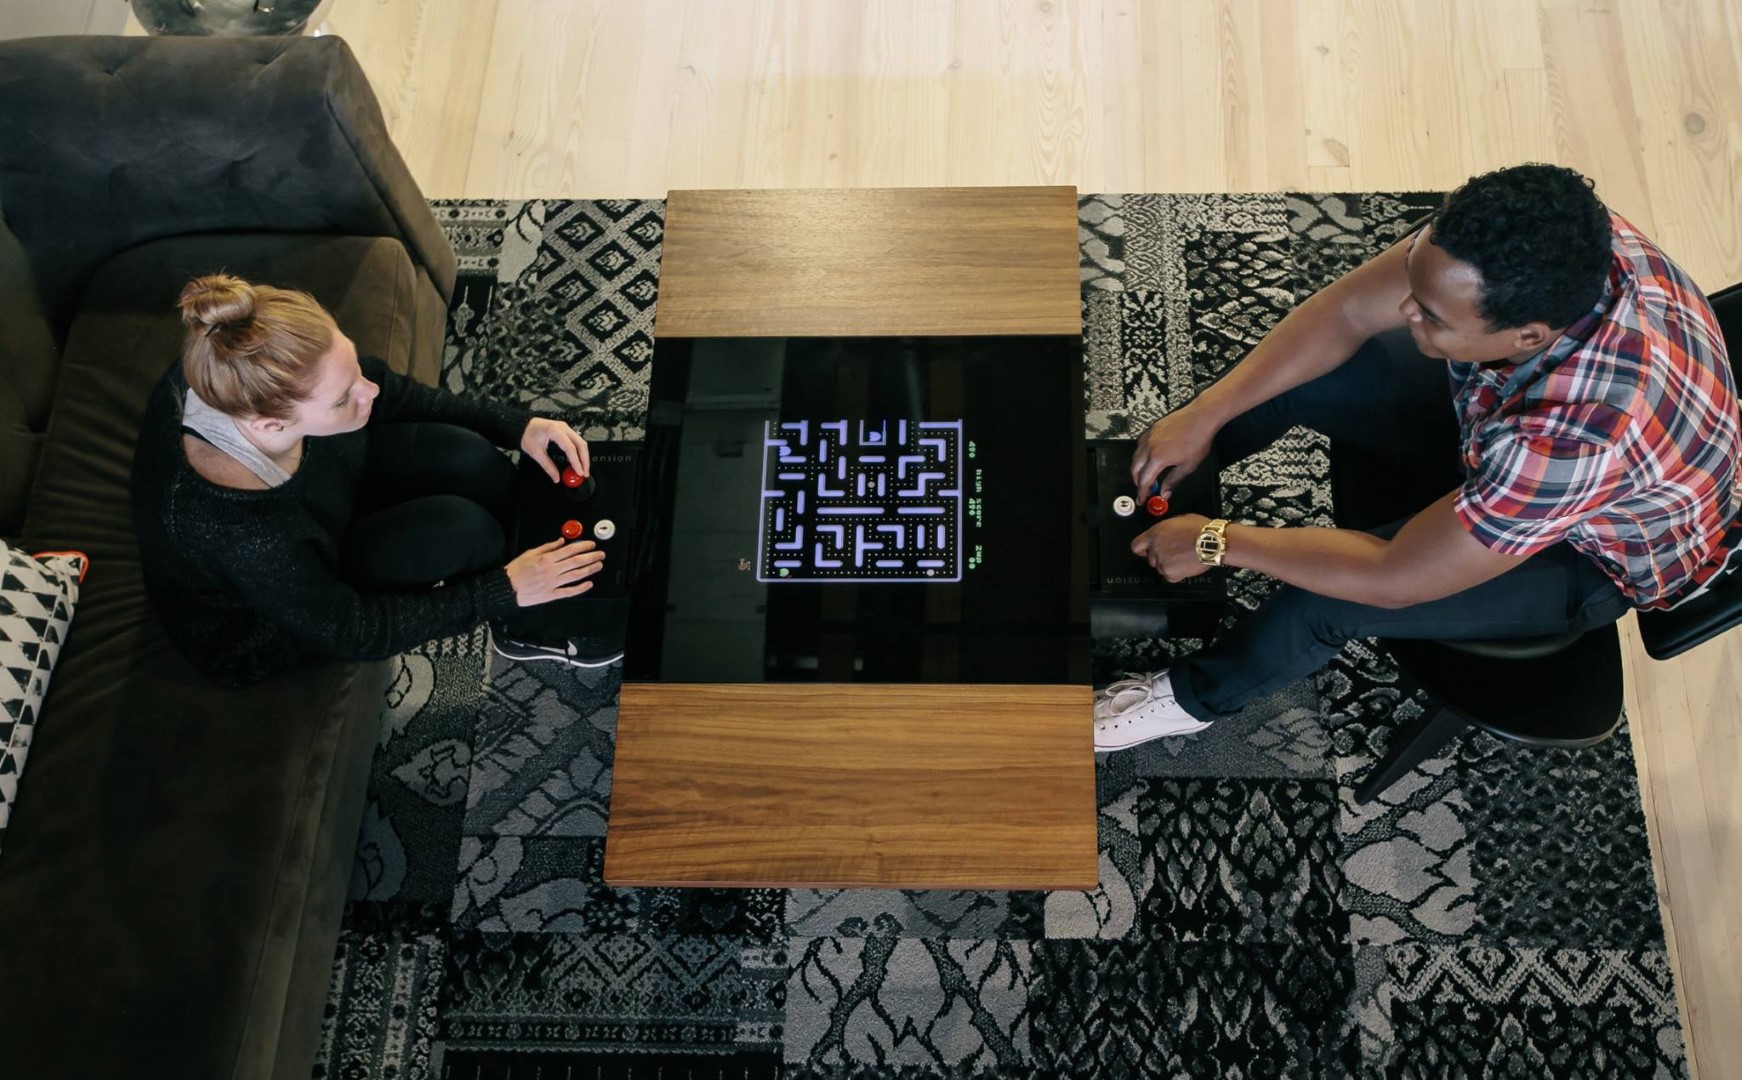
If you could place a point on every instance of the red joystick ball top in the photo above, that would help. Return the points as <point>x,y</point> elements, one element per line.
<point>1156,505</point>
<point>572,530</point>
<point>573,479</point>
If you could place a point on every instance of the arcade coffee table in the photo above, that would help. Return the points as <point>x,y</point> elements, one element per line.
<point>857,650</point>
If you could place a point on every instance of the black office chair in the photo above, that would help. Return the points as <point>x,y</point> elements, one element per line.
<point>1559,691</point>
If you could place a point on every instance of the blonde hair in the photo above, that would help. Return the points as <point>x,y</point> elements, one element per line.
<point>252,350</point>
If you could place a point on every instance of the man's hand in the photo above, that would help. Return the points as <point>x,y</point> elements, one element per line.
<point>536,440</point>
<point>1171,449</point>
<point>1171,546</point>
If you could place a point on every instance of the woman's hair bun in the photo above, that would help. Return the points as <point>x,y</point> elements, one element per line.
<point>217,301</point>
<point>252,350</point>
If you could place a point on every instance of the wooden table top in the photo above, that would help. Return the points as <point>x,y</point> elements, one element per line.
<point>868,262</point>
<point>830,786</point>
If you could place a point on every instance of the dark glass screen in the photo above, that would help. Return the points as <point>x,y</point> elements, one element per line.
<point>862,510</point>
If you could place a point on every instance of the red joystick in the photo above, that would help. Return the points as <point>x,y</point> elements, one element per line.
<point>1156,505</point>
<point>572,530</point>
<point>572,479</point>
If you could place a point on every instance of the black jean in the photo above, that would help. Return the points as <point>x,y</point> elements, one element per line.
<point>432,506</point>
<point>1386,400</point>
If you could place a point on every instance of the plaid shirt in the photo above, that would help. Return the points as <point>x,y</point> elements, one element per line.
<point>1621,439</point>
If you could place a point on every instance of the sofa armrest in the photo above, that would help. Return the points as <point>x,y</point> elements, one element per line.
<point>28,362</point>
<point>107,142</point>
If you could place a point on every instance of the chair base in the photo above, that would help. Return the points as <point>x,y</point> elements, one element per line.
<point>1410,746</point>
<point>1423,738</point>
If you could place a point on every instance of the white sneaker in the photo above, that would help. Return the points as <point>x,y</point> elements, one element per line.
<point>1133,711</point>
<point>575,652</point>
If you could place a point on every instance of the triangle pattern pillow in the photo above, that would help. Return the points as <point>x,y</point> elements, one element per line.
<point>37,595</point>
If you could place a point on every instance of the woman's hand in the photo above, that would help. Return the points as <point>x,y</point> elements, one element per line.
<point>536,440</point>
<point>1171,546</point>
<point>553,571</point>
<point>1171,449</point>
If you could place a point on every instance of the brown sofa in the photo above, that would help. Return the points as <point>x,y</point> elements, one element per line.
<point>176,865</point>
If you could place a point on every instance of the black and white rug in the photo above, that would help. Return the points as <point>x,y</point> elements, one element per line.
<point>1493,915</point>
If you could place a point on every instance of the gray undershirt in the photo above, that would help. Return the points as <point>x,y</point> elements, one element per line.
<point>219,429</point>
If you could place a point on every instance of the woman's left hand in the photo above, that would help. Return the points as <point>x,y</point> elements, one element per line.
<point>542,433</point>
<point>1171,547</point>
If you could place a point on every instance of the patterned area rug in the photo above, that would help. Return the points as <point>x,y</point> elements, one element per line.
<point>1493,914</point>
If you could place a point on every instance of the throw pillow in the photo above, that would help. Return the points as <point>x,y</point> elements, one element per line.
<point>37,594</point>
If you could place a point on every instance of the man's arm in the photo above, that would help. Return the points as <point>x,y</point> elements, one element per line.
<point>1316,337</point>
<point>1432,556</point>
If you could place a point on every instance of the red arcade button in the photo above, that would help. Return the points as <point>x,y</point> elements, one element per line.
<point>573,479</point>
<point>572,530</point>
<point>1156,505</point>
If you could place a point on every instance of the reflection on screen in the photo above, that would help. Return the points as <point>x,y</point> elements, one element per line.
<point>861,500</point>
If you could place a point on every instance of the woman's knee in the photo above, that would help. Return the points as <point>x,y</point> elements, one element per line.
<point>429,459</point>
<point>460,452</point>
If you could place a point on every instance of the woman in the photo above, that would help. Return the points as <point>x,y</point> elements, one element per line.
<point>296,503</point>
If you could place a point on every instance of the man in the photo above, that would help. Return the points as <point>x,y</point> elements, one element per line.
<point>1554,402</point>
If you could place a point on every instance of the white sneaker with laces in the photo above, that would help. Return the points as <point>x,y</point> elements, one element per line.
<point>1133,711</point>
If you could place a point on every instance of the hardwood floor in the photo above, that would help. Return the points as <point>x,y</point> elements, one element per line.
<point>510,98</point>
<point>598,98</point>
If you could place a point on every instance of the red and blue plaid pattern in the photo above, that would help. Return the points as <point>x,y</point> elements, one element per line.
<point>1622,439</point>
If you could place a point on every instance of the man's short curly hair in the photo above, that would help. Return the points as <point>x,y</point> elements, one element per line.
<point>1539,237</point>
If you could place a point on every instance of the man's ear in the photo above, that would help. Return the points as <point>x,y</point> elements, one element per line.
<point>263,425</point>
<point>1532,336</point>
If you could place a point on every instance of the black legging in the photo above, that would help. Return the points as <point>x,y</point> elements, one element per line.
<point>432,506</point>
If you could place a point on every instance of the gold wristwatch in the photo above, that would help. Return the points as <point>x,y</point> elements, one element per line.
<point>1213,542</point>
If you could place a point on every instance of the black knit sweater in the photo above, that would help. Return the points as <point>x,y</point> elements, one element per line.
<point>247,582</point>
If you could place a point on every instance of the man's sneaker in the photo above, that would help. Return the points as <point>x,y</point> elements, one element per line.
<point>581,652</point>
<point>1133,711</point>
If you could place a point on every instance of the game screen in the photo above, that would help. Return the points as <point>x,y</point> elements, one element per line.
<point>862,500</point>
<point>862,510</point>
